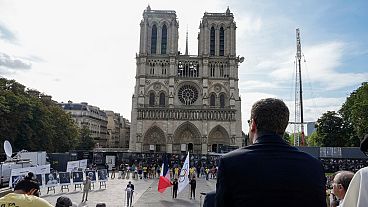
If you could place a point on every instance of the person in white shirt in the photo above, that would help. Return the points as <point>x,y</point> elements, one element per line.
<point>356,195</point>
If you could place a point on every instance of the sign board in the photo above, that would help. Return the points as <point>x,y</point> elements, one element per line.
<point>183,147</point>
<point>72,166</point>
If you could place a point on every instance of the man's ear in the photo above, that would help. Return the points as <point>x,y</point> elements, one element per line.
<point>253,126</point>
<point>32,191</point>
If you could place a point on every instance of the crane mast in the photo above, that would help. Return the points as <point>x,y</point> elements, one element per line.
<point>298,95</point>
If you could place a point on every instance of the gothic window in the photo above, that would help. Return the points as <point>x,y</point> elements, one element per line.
<point>222,41</point>
<point>188,69</point>
<point>162,99</point>
<point>212,100</point>
<point>221,70</point>
<point>163,70</point>
<point>180,69</point>
<point>152,99</point>
<point>222,101</point>
<point>212,70</point>
<point>212,41</point>
<point>188,94</point>
<point>152,68</point>
<point>154,39</point>
<point>164,40</point>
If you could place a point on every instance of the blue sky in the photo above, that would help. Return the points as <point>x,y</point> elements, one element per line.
<point>84,51</point>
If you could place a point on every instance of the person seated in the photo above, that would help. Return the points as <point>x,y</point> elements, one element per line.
<point>26,193</point>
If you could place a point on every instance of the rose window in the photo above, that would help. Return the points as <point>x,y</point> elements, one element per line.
<point>188,94</point>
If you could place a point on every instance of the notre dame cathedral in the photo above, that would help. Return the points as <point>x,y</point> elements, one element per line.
<point>183,102</point>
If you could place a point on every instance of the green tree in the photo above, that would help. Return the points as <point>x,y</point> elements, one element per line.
<point>33,123</point>
<point>313,140</point>
<point>286,137</point>
<point>86,140</point>
<point>355,114</point>
<point>331,130</point>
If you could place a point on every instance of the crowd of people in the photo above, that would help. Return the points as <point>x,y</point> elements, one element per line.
<point>269,172</point>
<point>332,165</point>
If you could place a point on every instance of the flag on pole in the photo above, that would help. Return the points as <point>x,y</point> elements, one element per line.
<point>164,180</point>
<point>184,175</point>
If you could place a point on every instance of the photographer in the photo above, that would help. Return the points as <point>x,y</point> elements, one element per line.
<point>26,193</point>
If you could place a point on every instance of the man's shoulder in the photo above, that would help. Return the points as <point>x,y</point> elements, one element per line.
<point>258,149</point>
<point>239,152</point>
<point>24,200</point>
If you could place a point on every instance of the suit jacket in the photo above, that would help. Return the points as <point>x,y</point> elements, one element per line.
<point>175,185</point>
<point>130,186</point>
<point>270,173</point>
<point>209,200</point>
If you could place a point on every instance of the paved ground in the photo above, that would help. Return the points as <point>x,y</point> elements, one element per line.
<point>146,194</point>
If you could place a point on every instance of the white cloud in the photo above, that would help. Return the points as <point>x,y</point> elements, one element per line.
<point>85,50</point>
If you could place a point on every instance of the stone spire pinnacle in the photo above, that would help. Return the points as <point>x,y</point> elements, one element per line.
<point>186,43</point>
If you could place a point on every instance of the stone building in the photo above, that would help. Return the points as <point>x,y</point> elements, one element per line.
<point>183,102</point>
<point>113,129</point>
<point>91,117</point>
<point>124,133</point>
<point>118,129</point>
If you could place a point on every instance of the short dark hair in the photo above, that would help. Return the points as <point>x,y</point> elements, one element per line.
<point>27,185</point>
<point>271,115</point>
<point>63,201</point>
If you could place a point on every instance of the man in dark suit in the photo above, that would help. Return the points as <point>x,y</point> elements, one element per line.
<point>129,193</point>
<point>175,185</point>
<point>270,172</point>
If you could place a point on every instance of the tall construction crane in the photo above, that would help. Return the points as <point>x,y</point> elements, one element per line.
<point>298,95</point>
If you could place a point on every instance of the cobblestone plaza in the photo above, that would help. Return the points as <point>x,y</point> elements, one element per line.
<point>146,194</point>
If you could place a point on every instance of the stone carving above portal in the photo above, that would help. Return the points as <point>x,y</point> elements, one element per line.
<point>217,88</point>
<point>157,86</point>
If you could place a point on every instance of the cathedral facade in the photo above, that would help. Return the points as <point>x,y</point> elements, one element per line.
<point>183,102</point>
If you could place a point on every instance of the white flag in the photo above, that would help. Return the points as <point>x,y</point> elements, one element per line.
<point>184,175</point>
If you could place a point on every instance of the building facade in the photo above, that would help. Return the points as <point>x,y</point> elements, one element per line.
<point>91,117</point>
<point>113,129</point>
<point>124,133</point>
<point>183,102</point>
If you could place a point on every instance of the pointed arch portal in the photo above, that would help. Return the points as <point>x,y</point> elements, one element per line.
<point>187,138</point>
<point>154,140</point>
<point>218,138</point>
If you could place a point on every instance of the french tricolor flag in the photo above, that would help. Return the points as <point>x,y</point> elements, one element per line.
<point>164,180</point>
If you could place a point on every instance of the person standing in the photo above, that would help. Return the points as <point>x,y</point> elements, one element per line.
<point>86,188</point>
<point>193,185</point>
<point>129,193</point>
<point>175,185</point>
<point>270,172</point>
<point>113,169</point>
